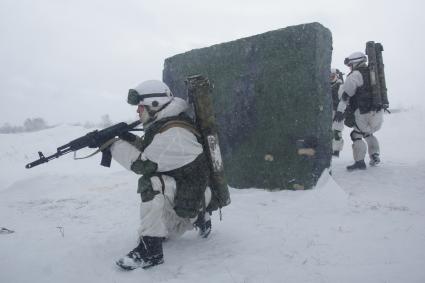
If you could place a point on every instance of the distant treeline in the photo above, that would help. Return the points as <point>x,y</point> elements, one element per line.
<point>30,125</point>
<point>37,124</point>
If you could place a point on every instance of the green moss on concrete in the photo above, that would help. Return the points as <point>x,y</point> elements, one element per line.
<point>269,91</point>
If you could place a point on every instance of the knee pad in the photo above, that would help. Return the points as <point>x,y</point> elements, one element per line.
<point>146,189</point>
<point>355,136</point>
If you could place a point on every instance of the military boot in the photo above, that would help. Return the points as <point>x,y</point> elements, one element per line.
<point>203,223</point>
<point>148,253</point>
<point>154,254</point>
<point>358,165</point>
<point>374,159</point>
<point>134,258</point>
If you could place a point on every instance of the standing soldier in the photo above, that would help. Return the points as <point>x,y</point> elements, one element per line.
<point>368,117</point>
<point>336,80</point>
<point>172,162</point>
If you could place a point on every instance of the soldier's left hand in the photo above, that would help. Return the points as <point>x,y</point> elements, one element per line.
<point>128,137</point>
<point>339,116</point>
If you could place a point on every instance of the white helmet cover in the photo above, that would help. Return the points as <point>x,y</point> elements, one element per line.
<point>355,58</point>
<point>152,93</point>
<point>336,75</point>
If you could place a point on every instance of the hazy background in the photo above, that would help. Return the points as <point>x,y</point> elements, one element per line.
<point>74,61</point>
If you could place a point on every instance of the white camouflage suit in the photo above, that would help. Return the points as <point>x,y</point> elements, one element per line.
<point>337,145</point>
<point>170,150</point>
<point>366,124</point>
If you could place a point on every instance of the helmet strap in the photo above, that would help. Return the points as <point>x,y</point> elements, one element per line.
<point>152,112</point>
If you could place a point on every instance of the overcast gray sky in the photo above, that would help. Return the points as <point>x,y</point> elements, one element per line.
<point>74,61</point>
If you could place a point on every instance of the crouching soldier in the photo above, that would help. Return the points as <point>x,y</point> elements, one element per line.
<point>173,168</point>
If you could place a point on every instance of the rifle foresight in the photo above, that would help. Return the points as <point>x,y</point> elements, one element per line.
<point>39,161</point>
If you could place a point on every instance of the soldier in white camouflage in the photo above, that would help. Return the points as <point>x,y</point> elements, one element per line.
<point>174,173</point>
<point>367,118</point>
<point>336,80</point>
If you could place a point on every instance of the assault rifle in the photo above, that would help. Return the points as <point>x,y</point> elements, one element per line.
<point>93,139</point>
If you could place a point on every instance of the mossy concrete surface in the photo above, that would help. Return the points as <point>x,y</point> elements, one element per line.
<point>271,96</point>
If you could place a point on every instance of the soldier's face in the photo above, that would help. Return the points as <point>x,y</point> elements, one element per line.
<point>140,109</point>
<point>143,114</point>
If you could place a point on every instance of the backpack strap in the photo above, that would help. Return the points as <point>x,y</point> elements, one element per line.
<point>181,124</point>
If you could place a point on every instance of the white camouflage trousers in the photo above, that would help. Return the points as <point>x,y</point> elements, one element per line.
<point>366,125</point>
<point>158,217</point>
<point>337,145</point>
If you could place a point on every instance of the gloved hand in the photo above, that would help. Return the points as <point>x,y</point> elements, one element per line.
<point>385,107</point>
<point>339,116</point>
<point>337,135</point>
<point>128,137</point>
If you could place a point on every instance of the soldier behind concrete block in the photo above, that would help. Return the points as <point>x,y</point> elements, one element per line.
<point>357,103</point>
<point>336,79</point>
<point>173,168</point>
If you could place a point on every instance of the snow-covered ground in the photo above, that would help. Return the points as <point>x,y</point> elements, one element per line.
<point>73,219</point>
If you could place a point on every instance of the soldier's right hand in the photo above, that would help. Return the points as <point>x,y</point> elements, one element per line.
<point>337,135</point>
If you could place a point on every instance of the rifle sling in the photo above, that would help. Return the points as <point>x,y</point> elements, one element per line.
<point>101,148</point>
